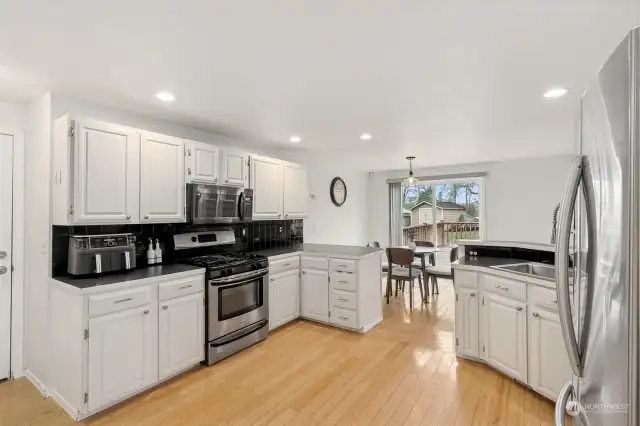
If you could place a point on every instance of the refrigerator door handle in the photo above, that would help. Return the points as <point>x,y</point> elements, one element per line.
<point>567,206</point>
<point>560,412</point>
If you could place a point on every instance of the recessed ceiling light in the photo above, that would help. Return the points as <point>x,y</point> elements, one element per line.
<point>556,92</point>
<point>365,136</point>
<point>295,139</point>
<point>165,96</point>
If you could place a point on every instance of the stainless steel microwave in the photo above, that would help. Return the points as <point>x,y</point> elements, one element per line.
<point>209,204</point>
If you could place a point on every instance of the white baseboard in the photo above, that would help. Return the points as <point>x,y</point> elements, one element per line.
<point>368,327</point>
<point>36,382</point>
<point>68,408</point>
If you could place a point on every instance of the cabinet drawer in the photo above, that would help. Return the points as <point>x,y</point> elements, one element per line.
<point>101,304</point>
<point>504,286</point>
<point>282,265</point>
<point>344,317</point>
<point>344,299</point>
<point>344,281</point>
<point>343,265</point>
<point>182,287</point>
<point>543,297</point>
<point>313,262</point>
<point>465,278</point>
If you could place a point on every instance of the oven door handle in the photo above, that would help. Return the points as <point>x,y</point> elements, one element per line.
<point>239,278</point>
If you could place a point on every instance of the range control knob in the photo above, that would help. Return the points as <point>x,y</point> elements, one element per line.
<point>194,239</point>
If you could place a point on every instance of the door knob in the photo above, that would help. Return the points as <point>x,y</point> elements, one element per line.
<point>3,254</point>
<point>3,270</point>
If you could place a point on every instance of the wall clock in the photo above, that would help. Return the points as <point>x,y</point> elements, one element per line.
<point>338,191</point>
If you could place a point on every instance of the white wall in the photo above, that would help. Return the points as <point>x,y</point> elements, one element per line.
<point>37,231</point>
<point>12,116</point>
<point>519,197</point>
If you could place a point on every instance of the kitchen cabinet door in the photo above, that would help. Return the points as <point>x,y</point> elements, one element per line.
<point>505,340</point>
<point>162,179</point>
<point>467,321</point>
<point>296,191</point>
<point>235,168</point>
<point>181,334</point>
<point>266,182</point>
<point>549,367</point>
<point>315,295</point>
<point>203,163</point>
<point>123,355</point>
<point>285,298</point>
<point>106,173</point>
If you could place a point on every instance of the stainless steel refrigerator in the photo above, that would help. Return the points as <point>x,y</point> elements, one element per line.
<point>598,249</point>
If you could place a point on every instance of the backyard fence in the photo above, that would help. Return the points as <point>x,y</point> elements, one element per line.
<point>448,232</point>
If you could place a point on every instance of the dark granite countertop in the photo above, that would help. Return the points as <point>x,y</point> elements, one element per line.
<point>485,262</point>
<point>134,275</point>
<point>321,249</point>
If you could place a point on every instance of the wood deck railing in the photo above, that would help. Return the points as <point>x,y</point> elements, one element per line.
<point>448,232</point>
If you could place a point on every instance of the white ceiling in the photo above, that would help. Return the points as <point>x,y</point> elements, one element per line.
<point>447,81</point>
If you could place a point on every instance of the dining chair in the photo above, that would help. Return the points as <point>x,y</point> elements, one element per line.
<point>373,244</point>
<point>441,271</point>
<point>403,257</point>
<point>432,256</point>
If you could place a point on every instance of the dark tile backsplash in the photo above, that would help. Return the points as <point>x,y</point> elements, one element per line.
<point>258,235</point>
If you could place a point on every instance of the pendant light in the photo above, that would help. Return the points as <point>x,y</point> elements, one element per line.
<point>411,181</point>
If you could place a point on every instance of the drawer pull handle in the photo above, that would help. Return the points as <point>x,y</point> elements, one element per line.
<point>554,302</point>
<point>342,266</point>
<point>343,282</point>
<point>501,288</point>
<point>518,308</point>
<point>343,300</point>
<point>286,264</point>
<point>146,311</point>
<point>184,287</point>
<point>128,299</point>
<point>536,315</point>
<point>344,318</point>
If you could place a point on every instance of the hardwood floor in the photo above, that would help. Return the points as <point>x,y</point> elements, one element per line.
<point>402,372</point>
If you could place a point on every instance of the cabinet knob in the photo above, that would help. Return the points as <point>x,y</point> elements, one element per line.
<point>128,216</point>
<point>271,280</point>
<point>473,295</point>
<point>518,308</point>
<point>165,307</point>
<point>536,315</point>
<point>215,179</point>
<point>146,217</point>
<point>286,215</point>
<point>146,311</point>
<point>226,180</point>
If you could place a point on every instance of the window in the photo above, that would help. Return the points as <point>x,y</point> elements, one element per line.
<point>443,212</point>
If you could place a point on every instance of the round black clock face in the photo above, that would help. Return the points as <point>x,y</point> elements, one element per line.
<point>338,191</point>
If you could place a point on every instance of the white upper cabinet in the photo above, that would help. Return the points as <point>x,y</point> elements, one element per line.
<point>235,168</point>
<point>104,160</point>
<point>162,179</point>
<point>203,163</point>
<point>266,182</point>
<point>505,339</point>
<point>295,185</point>
<point>549,367</point>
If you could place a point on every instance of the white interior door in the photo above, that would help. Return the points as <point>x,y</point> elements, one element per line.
<point>6,204</point>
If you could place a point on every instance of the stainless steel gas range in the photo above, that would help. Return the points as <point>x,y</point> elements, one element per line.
<point>237,296</point>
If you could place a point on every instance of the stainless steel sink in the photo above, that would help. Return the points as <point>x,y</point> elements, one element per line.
<point>537,270</point>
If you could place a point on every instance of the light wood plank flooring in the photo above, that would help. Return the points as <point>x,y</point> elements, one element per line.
<point>402,372</point>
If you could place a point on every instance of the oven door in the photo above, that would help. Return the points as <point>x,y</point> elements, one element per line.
<point>214,204</point>
<point>236,302</point>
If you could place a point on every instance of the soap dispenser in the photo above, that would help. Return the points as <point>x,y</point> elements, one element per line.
<point>158,252</point>
<point>151,254</point>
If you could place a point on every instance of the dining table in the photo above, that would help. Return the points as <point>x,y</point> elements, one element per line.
<point>421,252</point>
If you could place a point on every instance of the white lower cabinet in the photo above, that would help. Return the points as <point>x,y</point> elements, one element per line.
<point>514,327</point>
<point>122,355</point>
<point>549,367</point>
<point>110,345</point>
<point>284,300</point>
<point>315,295</point>
<point>180,334</point>
<point>505,335</point>
<point>467,327</point>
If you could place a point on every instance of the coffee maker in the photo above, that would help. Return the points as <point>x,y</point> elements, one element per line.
<point>99,254</point>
